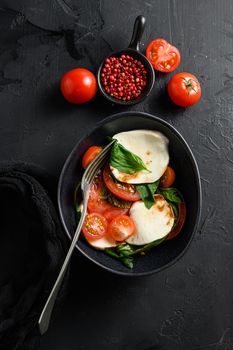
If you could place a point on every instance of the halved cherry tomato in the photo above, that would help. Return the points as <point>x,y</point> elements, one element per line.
<point>121,228</point>
<point>94,226</point>
<point>163,56</point>
<point>97,203</point>
<point>122,190</point>
<point>89,155</point>
<point>110,214</point>
<point>184,89</point>
<point>180,222</point>
<point>168,177</point>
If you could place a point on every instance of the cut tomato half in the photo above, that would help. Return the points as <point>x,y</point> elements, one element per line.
<point>94,226</point>
<point>168,177</point>
<point>90,154</point>
<point>121,190</point>
<point>180,222</point>
<point>163,56</point>
<point>121,228</point>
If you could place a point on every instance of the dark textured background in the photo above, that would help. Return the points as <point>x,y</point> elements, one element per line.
<point>188,306</point>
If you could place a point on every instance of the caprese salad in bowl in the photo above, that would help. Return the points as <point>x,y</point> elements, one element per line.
<point>133,206</point>
<point>144,204</point>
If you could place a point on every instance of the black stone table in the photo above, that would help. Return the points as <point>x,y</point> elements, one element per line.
<point>190,305</point>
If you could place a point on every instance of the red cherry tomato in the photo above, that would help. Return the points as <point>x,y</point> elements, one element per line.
<point>180,222</point>
<point>94,226</point>
<point>121,228</point>
<point>168,177</point>
<point>78,85</point>
<point>122,190</point>
<point>110,214</point>
<point>90,154</point>
<point>163,56</point>
<point>184,89</point>
<point>97,202</point>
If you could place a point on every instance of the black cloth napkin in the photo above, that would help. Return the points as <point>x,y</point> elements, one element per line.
<point>32,249</point>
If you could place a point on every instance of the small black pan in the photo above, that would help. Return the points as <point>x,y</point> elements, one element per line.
<point>134,51</point>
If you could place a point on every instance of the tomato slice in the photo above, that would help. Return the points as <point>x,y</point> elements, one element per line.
<point>168,177</point>
<point>180,222</point>
<point>90,154</point>
<point>184,89</point>
<point>94,226</point>
<point>163,56</point>
<point>97,202</point>
<point>111,214</point>
<point>121,227</point>
<point>121,190</point>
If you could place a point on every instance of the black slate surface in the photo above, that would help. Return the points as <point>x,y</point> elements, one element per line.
<point>189,305</point>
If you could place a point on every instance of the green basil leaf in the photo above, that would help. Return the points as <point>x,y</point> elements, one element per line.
<point>128,262</point>
<point>146,192</point>
<point>124,249</point>
<point>145,248</point>
<point>123,253</point>
<point>111,252</point>
<point>125,161</point>
<point>171,194</point>
<point>174,208</point>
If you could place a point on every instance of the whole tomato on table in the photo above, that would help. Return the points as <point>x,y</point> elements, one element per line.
<point>78,85</point>
<point>184,89</point>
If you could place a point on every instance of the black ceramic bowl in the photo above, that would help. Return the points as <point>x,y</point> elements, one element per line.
<point>188,182</point>
<point>134,51</point>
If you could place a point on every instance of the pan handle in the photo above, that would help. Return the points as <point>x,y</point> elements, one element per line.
<point>138,30</point>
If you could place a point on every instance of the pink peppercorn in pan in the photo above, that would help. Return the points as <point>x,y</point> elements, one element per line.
<point>123,77</point>
<point>126,77</point>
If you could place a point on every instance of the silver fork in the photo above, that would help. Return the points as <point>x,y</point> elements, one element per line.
<point>87,179</point>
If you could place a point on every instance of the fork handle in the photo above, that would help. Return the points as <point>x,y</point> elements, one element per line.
<point>48,308</point>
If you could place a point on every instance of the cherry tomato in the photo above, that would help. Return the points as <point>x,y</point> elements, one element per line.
<point>163,56</point>
<point>124,191</point>
<point>180,221</point>
<point>89,155</point>
<point>78,85</point>
<point>94,226</point>
<point>97,202</point>
<point>110,214</point>
<point>121,227</point>
<point>184,89</point>
<point>168,177</point>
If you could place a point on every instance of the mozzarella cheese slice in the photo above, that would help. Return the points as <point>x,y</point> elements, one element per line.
<point>151,224</point>
<point>103,243</point>
<point>152,147</point>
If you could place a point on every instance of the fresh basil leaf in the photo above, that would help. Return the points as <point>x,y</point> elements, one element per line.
<point>111,252</point>
<point>124,249</point>
<point>174,208</point>
<point>125,161</point>
<point>171,194</point>
<point>123,253</point>
<point>146,192</point>
<point>128,262</point>
<point>145,248</point>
